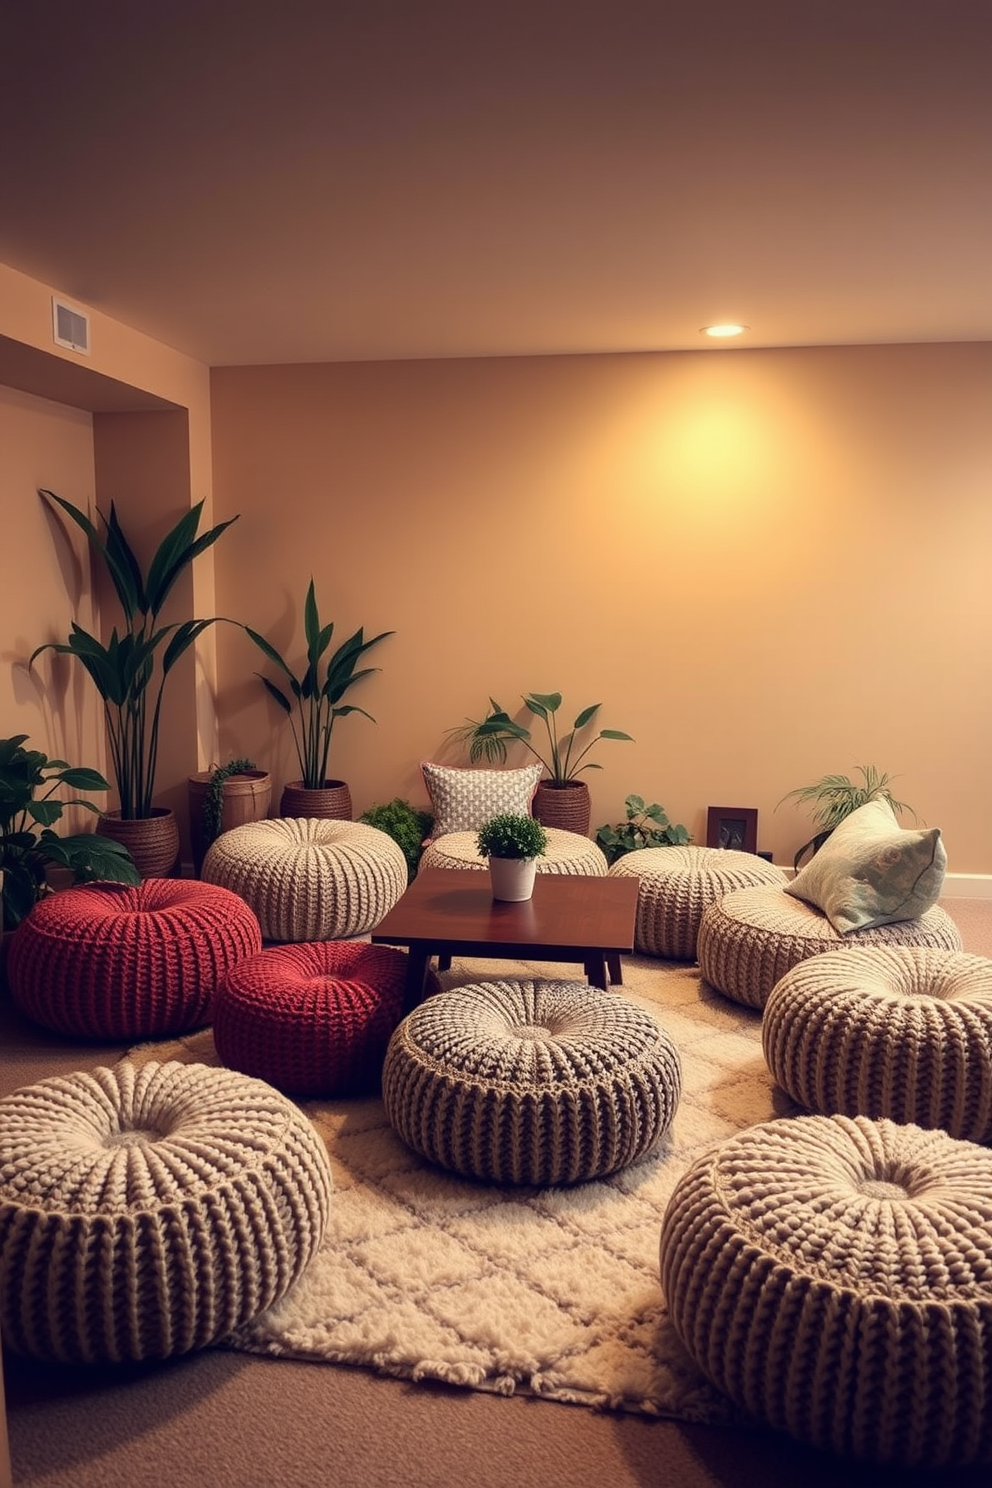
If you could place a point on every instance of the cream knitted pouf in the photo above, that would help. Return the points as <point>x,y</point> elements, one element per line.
<point>309,878</point>
<point>677,883</point>
<point>567,852</point>
<point>749,939</point>
<point>531,1082</point>
<point>834,1278</point>
<point>897,1031</point>
<point>146,1211</point>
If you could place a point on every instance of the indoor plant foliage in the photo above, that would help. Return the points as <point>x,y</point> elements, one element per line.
<point>130,671</point>
<point>407,826</point>
<point>28,846</point>
<point>835,796</point>
<point>646,826</point>
<point>560,755</point>
<point>213,801</point>
<point>508,835</point>
<point>316,694</point>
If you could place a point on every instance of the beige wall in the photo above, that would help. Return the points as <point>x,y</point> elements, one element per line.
<point>766,565</point>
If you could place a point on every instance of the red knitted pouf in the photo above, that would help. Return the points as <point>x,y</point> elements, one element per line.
<point>107,961</point>
<point>312,1018</point>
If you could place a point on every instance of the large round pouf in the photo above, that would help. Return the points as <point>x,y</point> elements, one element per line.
<point>108,961</point>
<point>312,1019</point>
<point>566,852</point>
<point>897,1031</point>
<point>146,1211</point>
<point>833,1276</point>
<point>677,883</point>
<point>530,1082</point>
<point>310,878</point>
<point>749,939</point>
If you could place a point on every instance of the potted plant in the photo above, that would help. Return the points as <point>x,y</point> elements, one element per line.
<point>646,826</point>
<point>836,796</point>
<point>406,825</point>
<point>317,695</point>
<point>131,669</point>
<point>28,846</point>
<point>512,844</point>
<point>562,800</point>
<point>224,797</point>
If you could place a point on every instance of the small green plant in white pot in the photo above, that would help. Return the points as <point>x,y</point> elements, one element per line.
<point>513,844</point>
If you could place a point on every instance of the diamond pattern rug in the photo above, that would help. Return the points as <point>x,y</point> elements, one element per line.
<point>425,1275</point>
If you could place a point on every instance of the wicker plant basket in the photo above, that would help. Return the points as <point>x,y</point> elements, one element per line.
<point>332,802</point>
<point>566,806</point>
<point>152,841</point>
<point>245,797</point>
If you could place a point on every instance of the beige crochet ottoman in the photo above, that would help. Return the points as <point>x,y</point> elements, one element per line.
<point>309,879</point>
<point>567,852</point>
<point>897,1031</point>
<point>749,939</point>
<point>530,1082</point>
<point>149,1210</point>
<point>677,883</point>
<point>833,1276</point>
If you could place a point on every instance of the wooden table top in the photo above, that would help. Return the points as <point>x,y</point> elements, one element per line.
<point>456,907</point>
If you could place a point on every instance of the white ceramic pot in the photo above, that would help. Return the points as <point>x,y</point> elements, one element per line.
<point>512,878</point>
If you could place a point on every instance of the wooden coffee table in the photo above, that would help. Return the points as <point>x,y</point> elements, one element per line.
<point>451,912</point>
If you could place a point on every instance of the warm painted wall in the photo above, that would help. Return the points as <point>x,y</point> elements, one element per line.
<point>767,565</point>
<point>44,584</point>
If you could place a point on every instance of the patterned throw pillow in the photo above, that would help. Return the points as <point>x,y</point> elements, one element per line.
<point>463,800</point>
<point>872,872</point>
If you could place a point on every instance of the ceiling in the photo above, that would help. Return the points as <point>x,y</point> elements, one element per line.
<point>258,181</point>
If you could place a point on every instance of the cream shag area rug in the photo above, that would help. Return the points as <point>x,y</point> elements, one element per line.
<point>425,1275</point>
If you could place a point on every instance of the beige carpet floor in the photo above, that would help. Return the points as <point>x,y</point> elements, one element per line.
<point>428,1276</point>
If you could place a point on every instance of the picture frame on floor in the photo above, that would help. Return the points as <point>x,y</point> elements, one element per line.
<point>734,828</point>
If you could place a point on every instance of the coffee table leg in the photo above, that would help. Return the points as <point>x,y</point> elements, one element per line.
<point>616,970</point>
<point>596,969</point>
<point>416,974</point>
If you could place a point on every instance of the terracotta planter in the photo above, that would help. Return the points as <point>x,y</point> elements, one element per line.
<point>332,801</point>
<point>512,879</point>
<point>244,798</point>
<point>564,806</point>
<point>152,841</point>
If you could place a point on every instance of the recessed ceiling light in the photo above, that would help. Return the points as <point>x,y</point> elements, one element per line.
<point>724,330</point>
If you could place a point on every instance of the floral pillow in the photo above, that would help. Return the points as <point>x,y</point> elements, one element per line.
<point>463,800</point>
<point>870,871</point>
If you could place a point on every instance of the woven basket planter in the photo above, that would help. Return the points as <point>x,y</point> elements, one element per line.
<point>331,802</point>
<point>152,841</point>
<point>145,1212</point>
<point>834,1278</point>
<point>565,806</point>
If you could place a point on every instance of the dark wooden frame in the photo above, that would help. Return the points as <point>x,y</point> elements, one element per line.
<point>742,821</point>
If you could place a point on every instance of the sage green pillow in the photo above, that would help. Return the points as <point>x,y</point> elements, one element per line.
<point>870,871</point>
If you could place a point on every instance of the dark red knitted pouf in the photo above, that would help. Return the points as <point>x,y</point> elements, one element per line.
<point>113,962</point>
<point>312,1018</point>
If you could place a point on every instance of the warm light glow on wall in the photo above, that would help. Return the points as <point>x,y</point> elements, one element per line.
<point>722,332</point>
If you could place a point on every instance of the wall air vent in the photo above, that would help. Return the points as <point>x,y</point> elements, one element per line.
<point>70,327</point>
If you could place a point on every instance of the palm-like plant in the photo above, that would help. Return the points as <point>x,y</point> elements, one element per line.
<point>561,757</point>
<point>317,695</point>
<point>836,796</point>
<point>129,672</point>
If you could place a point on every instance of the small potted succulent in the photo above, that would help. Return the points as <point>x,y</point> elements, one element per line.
<point>513,845</point>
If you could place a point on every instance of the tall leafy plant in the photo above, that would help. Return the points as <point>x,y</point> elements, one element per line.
<point>29,809</point>
<point>314,704</point>
<point>561,754</point>
<point>130,670</point>
<point>833,797</point>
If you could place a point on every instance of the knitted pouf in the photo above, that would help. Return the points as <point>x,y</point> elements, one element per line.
<point>897,1031</point>
<point>677,884</point>
<point>146,1211</point>
<point>566,852</point>
<point>107,961</point>
<point>536,1082</point>
<point>749,939</point>
<point>833,1276</point>
<point>312,1019</point>
<point>308,878</point>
